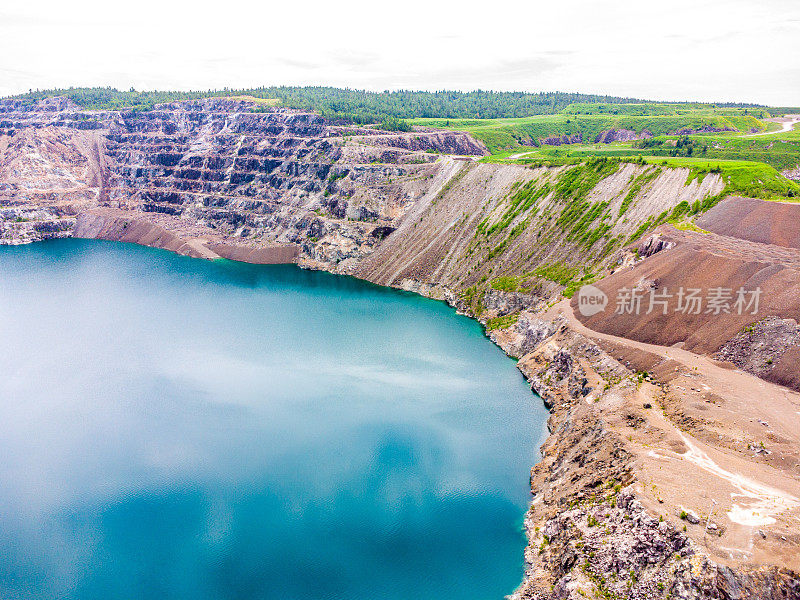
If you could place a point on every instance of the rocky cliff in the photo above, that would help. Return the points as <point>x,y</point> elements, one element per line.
<point>215,169</point>
<point>220,171</point>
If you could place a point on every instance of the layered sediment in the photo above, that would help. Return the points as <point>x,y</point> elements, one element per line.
<point>659,479</point>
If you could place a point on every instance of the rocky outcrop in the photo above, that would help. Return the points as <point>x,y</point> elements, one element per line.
<point>26,225</point>
<point>499,303</point>
<point>652,244</point>
<point>443,141</point>
<point>611,547</point>
<point>525,335</point>
<point>560,140</point>
<point>621,135</point>
<point>759,347</point>
<point>589,534</point>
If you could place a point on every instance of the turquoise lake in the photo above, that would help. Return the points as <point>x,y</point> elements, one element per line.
<point>172,428</point>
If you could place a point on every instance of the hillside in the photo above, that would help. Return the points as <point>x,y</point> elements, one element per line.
<point>519,229</point>
<point>290,178</point>
<point>580,124</point>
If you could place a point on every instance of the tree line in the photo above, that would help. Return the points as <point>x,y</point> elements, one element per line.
<point>351,105</point>
<point>355,106</point>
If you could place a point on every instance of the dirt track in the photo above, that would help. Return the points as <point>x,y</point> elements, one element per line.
<point>697,452</point>
<point>787,124</point>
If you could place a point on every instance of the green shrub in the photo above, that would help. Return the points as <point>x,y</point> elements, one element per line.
<point>501,322</point>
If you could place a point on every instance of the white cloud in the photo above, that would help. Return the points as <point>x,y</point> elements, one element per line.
<point>684,49</point>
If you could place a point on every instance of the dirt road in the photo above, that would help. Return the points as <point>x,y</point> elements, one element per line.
<point>696,467</point>
<point>787,124</point>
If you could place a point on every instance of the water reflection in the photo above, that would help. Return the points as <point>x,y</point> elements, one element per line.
<point>176,428</point>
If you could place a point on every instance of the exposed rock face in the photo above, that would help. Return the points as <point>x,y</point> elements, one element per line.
<point>704,129</point>
<point>47,176</point>
<point>560,140</point>
<point>760,346</point>
<point>611,547</point>
<point>525,335</point>
<point>444,141</point>
<point>621,135</point>
<point>281,177</point>
<point>653,244</point>
<point>589,534</point>
<point>499,303</point>
<point>23,226</point>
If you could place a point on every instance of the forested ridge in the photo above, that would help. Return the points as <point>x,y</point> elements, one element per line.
<point>356,106</point>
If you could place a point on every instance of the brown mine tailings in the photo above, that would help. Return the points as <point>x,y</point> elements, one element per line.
<point>114,226</point>
<point>752,247</point>
<point>760,221</point>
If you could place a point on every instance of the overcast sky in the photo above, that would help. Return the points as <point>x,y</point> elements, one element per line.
<point>741,50</point>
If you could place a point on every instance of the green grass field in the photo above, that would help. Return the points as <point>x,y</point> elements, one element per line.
<point>750,165</point>
<point>780,151</point>
<point>590,120</point>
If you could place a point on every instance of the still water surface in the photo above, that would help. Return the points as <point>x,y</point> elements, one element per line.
<point>177,428</point>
